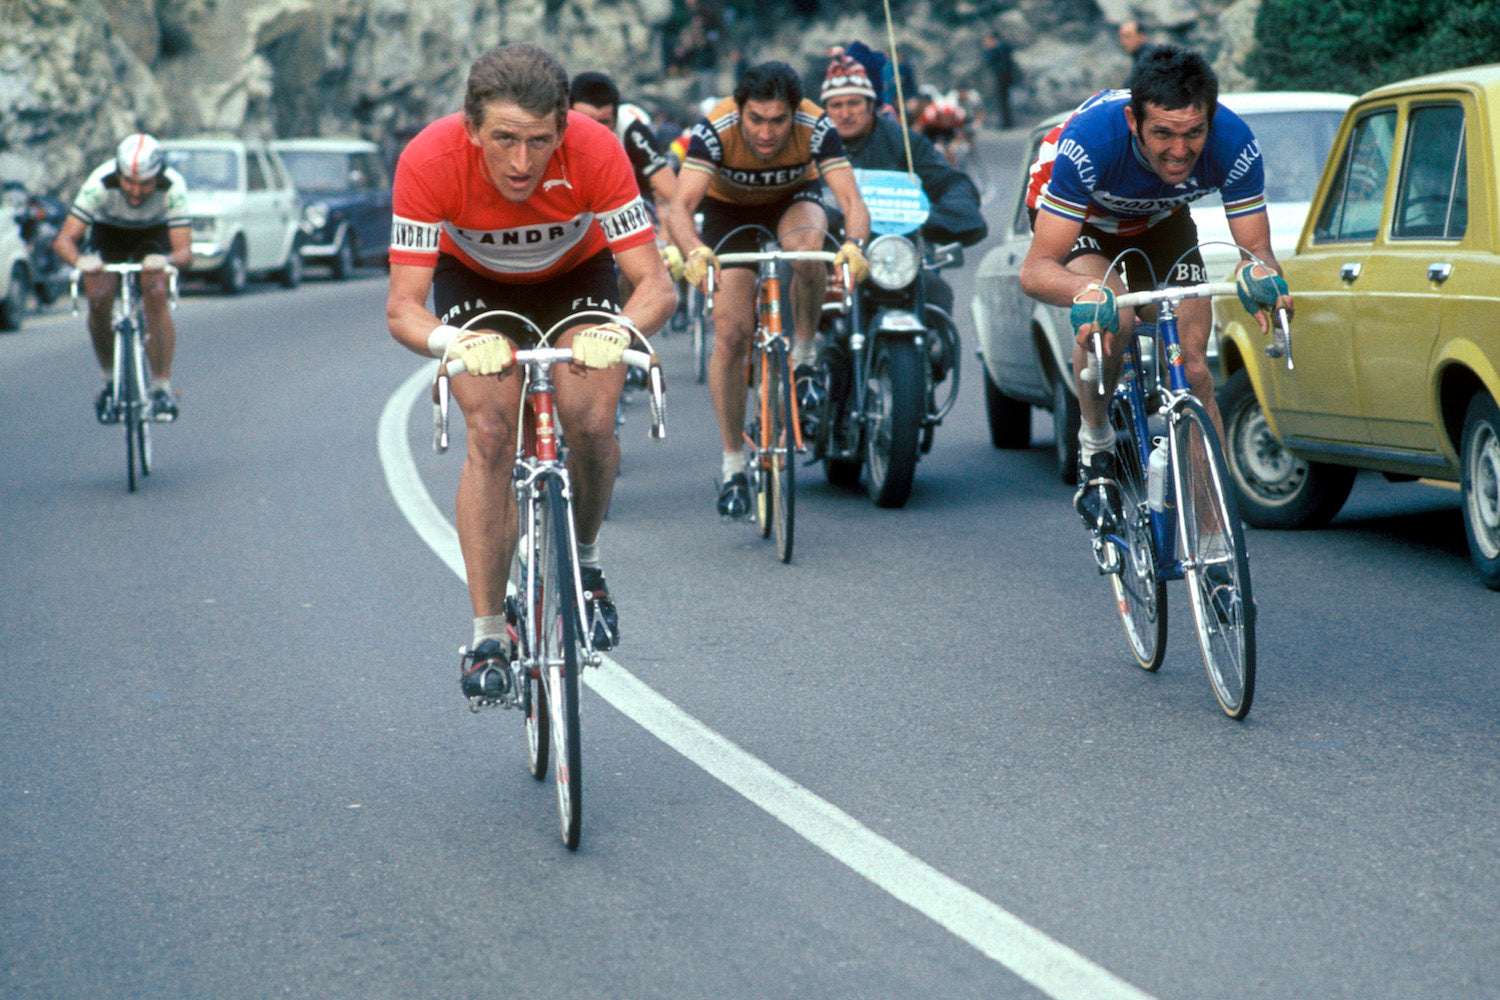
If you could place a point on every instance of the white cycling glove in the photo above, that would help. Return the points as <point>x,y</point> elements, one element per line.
<point>89,263</point>
<point>154,262</point>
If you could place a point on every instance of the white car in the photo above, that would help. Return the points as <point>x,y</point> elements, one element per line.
<point>1026,347</point>
<point>245,210</point>
<point>15,272</point>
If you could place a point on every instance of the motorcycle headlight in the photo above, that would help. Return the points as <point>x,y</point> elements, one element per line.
<point>893,261</point>
<point>315,216</point>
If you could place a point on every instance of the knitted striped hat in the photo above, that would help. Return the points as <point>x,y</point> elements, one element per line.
<point>846,76</point>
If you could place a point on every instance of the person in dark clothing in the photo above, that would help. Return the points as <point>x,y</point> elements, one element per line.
<point>1133,41</point>
<point>875,142</point>
<point>1000,60</point>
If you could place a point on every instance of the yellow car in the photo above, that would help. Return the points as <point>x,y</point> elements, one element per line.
<point>1396,342</point>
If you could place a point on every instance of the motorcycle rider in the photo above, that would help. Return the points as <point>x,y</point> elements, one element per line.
<point>875,141</point>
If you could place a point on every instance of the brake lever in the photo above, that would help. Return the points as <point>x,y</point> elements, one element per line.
<point>440,395</point>
<point>658,386</point>
<point>1281,339</point>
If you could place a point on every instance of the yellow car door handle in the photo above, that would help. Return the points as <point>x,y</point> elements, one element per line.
<point>1440,271</point>
<point>1349,271</point>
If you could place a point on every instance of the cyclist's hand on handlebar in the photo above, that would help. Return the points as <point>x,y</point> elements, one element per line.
<point>672,257</point>
<point>89,263</point>
<point>600,346</point>
<point>698,262</point>
<point>851,254</point>
<point>1261,288</point>
<point>154,262</point>
<point>483,352</point>
<point>1094,306</point>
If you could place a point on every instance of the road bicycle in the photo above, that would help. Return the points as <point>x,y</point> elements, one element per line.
<point>773,428</point>
<point>129,402</point>
<point>1179,520</point>
<point>545,611</point>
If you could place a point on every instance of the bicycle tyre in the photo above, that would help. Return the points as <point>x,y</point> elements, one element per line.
<point>528,627</point>
<point>128,393</point>
<point>699,327</point>
<point>756,478</point>
<point>143,426</point>
<point>563,660</point>
<point>1216,565</point>
<point>783,458</point>
<point>1139,588</point>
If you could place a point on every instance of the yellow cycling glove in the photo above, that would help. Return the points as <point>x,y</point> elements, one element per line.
<point>672,257</point>
<point>851,254</point>
<point>600,346</point>
<point>482,353</point>
<point>699,260</point>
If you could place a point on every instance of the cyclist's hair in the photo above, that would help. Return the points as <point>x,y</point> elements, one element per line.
<point>770,81</point>
<point>594,88</point>
<point>523,74</point>
<point>1172,78</point>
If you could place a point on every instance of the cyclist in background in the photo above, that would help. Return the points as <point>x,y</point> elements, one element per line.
<point>942,119</point>
<point>1119,174</point>
<point>761,157</point>
<point>516,203</point>
<point>131,209</point>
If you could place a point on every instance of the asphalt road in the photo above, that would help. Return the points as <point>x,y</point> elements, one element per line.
<point>917,762</point>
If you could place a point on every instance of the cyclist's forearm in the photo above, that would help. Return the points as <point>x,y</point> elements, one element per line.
<point>652,302</point>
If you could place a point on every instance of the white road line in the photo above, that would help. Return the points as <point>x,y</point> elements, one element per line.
<point>1050,966</point>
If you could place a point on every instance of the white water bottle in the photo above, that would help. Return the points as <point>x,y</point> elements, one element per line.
<point>1156,476</point>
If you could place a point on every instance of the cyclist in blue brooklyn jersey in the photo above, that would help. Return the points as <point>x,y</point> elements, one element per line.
<point>1120,174</point>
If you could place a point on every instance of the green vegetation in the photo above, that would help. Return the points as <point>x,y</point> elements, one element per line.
<point>1356,45</point>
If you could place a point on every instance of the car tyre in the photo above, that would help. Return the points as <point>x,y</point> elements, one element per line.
<point>1010,419</point>
<point>290,274</point>
<point>234,275</point>
<point>344,259</point>
<point>13,306</point>
<point>1275,488</point>
<point>1065,420</point>
<point>1480,484</point>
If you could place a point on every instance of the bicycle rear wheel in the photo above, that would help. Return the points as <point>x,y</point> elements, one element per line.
<point>563,659</point>
<point>1140,591</point>
<point>783,462</point>
<point>1214,558</point>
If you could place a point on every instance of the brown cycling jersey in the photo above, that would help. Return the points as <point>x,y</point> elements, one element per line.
<point>740,177</point>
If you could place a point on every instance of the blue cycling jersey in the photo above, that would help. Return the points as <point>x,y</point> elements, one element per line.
<point>1090,169</point>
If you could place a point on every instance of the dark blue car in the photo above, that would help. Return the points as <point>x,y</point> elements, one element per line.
<point>346,199</point>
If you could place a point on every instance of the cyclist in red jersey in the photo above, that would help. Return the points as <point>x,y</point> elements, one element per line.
<point>515,203</point>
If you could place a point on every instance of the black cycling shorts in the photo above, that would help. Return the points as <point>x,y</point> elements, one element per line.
<point>459,294</point>
<point>720,218</point>
<point>1171,245</point>
<point>127,245</point>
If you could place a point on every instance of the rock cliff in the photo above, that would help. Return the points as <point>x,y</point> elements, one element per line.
<point>76,76</point>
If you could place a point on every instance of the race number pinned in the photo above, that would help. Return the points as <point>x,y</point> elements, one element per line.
<point>895,199</point>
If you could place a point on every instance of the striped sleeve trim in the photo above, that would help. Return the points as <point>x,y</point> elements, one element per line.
<point>1067,209</point>
<point>1246,206</point>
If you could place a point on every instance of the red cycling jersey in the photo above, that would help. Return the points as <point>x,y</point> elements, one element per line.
<point>444,201</point>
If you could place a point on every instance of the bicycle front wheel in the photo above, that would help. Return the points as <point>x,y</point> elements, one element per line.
<point>1140,591</point>
<point>562,660</point>
<point>699,326</point>
<point>783,458</point>
<point>1214,558</point>
<point>525,614</point>
<point>128,392</point>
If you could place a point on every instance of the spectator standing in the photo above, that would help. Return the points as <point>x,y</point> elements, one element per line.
<point>1000,60</point>
<point>1133,41</point>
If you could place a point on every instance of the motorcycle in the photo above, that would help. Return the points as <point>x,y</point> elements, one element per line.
<point>888,370</point>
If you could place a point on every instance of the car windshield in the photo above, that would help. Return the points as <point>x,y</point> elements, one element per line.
<point>206,169</point>
<point>1294,146</point>
<point>317,171</point>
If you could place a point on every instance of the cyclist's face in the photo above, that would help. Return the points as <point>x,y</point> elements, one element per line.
<point>851,114</point>
<point>136,192</point>
<point>604,114</point>
<point>1171,141</point>
<point>516,145</point>
<point>767,126</point>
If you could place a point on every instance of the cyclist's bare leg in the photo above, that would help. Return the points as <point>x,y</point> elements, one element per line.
<point>485,511</point>
<point>809,278</point>
<point>586,402</point>
<point>101,290</point>
<point>1093,408</point>
<point>734,327</point>
<point>162,342</point>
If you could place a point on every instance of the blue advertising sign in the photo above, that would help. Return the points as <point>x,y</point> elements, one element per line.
<point>895,199</point>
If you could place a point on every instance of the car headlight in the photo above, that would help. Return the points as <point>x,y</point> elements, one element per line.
<point>893,261</point>
<point>315,216</point>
